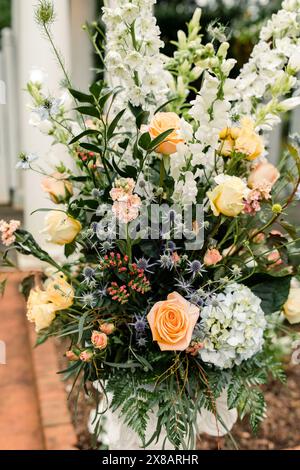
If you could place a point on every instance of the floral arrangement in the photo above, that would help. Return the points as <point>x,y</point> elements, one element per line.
<point>180,266</point>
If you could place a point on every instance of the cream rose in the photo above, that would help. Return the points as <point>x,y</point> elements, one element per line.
<point>227,197</point>
<point>60,292</point>
<point>58,187</point>
<point>39,310</point>
<point>172,322</point>
<point>263,174</point>
<point>61,228</point>
<point>162,122</point>
<point>291,308</point>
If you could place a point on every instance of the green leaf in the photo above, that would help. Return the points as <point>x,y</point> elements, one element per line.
<point>142,118</point>
<point>91,147</point>
<point>103,100</point>
<point>83,134</point>
<point>295,154</point>
<point>81,97</point>
<point>41,339</point>
<point>96,89</point>
<point>272,291</point>
<point>290,229</point>
<point>124,144</point>
<point>165,104</point>
<point>128,172</point>
<point>114,124</point>
<point>70,249</point>
<point>158,140</point>
<point>136,110</point>
<point>26,285</point>
<point>88,111</point>
<point>145,141</point>
<point>81,325</point>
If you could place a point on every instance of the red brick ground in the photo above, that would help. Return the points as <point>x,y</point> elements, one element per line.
<point>33,409</point>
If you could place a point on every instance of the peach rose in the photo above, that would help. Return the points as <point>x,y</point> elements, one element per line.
<point>86,356</point>
<point>99,340</point>
<point>58,187</point>
<point>242,139</point>
<point>263,174</point>
<point>61,228</point>
<point>107,328</point>
<point>172,322</point>
<point>162,122</point>
<point>212,257</point>
<point>71,356</point>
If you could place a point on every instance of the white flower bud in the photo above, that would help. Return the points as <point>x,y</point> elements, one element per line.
<point>223,49</point>
<point>181,39</point>
<point>294,63</point>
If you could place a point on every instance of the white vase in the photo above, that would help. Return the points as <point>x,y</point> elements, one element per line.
<point>118,436</point>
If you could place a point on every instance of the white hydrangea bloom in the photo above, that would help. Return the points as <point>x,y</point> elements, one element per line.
<point>232,327</point>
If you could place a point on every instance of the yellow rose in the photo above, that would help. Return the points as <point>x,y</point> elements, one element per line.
<point>60,292</point>
<point>61,228</point>
<point>172,322</point>
<point>242,139</point>
<point>39,310</point>
<point>58,187</point>
<point>292,306</point>
<point>162,122</point>
<point>227,197</point>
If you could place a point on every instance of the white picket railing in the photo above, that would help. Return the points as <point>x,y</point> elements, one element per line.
<point>8,119</point>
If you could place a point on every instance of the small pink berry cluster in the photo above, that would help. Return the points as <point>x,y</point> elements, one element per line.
<point>118,293</point>
<point>7,230</point>
<point>135,279</point>
<point>85,156</point>
<point>115,261</point>
<point>139,282</point>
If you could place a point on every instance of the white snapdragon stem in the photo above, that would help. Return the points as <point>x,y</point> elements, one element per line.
<point>133,56</point>
<point>271,71</point>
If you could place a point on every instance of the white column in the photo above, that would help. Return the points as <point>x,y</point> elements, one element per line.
<point>82,49</point>
<point>33,50</point>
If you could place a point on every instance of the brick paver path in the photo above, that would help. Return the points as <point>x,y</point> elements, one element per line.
<point>33,410</point>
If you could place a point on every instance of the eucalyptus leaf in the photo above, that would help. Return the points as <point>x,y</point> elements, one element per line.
<point>273,292</point>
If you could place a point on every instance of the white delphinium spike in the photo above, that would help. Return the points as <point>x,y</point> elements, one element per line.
<point>271,71</point>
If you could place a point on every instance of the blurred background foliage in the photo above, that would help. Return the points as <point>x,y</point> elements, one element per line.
<point>5,13</point>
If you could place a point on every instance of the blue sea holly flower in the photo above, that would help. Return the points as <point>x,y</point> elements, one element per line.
<point>140,324</point>
<point>143,263</point>
<point>88,274</point>
<point>195,268</point>
<point>88,300</point>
